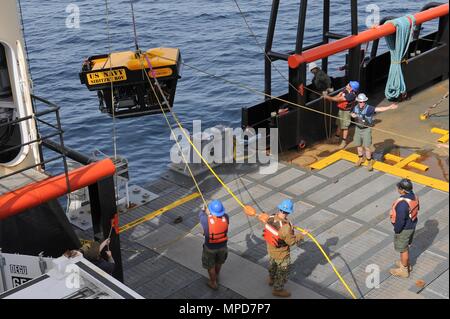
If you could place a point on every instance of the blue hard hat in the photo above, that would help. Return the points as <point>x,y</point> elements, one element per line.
<point>286,206</point>
<point>354,85</point>
<point>216,208</point>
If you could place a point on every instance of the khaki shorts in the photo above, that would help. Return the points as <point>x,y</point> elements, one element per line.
<point>212,257</point>
<point>363,137</point>
<point>344,120</point>
<point>403,240</point>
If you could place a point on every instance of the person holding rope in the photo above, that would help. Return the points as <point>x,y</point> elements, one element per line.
<point>215,224</point>
<point>363,114</point>
<point>93,252</point>
<point>279,235</point>
<point>345,102</point>
<point>321,82</point>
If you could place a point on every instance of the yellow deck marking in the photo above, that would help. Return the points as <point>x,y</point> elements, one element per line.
<point>408,161</point>
<point>158,212</point>
<point>445,135</point>
<point>383,167</point>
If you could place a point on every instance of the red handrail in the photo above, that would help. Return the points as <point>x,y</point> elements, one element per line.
<point>349,42</point>
<point>43,191</point>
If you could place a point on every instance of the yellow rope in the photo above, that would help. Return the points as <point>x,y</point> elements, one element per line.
<point>174,136</point>
<point>328,259</point>
<point>206,163</point>
<point>184,158</point>
<point>188,137</point>
<point>221,181</point>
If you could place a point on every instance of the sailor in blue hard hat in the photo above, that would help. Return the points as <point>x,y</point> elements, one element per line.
<point>215,224</point>
<point>286,206</point>
<point>345,101</point>
<point>216,208</point>
<point>279,236</point>
<point>354,85</point>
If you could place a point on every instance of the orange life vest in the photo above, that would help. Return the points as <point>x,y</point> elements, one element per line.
<point>346,105</point>
<point>217,229</point>
<point>270,232</point>
<point>414,207</point>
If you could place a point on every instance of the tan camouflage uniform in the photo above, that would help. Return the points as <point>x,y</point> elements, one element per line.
<point>280,258</point>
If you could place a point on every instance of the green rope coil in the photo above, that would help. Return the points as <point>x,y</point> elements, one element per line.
<point>398,45</point>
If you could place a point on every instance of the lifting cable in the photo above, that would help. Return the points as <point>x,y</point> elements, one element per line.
<point>114,130</point>
<point>159,102</point>
<point>112,102</point>
<point>182,130</point>
<point>253,34</point>
<point>180,149</point>
<point>114,135</point>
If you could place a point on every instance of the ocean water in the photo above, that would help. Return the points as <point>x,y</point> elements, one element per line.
<point>211,35</point>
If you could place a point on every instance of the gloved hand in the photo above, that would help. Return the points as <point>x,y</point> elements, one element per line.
<point>263,217</point>
<point>249,211</point>
<point>299,237</point>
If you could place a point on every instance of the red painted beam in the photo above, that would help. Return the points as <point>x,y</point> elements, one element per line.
<point>349,42</point>
<point>43,191</point>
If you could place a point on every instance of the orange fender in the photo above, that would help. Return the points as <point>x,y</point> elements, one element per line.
<point>43,191</point>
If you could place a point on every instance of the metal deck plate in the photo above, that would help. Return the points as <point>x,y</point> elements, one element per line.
<point>138,197</point>
<point>344,207</point>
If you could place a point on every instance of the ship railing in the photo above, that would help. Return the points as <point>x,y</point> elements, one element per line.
<point>42,121</point>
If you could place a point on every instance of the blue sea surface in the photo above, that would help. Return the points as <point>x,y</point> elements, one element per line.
<point>211,35</point>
